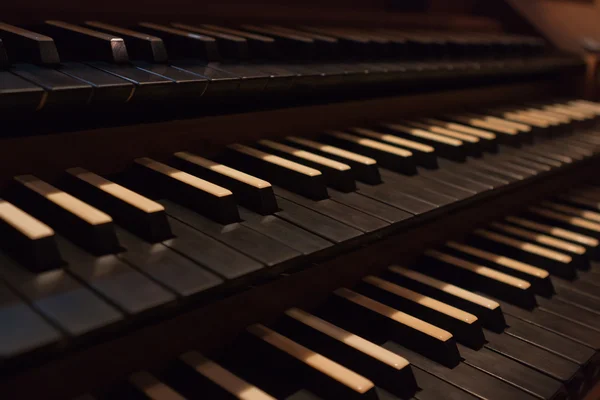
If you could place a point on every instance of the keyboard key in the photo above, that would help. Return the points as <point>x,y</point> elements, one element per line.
<point>27,46</point>
<point>82,223</point>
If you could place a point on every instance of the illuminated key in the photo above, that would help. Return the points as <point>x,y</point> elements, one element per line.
<point>584,240</point>
<point>364,168</point>
<point>356,309</point>
<point>591,215</point>
<point>205,197</point>
<point>567,219</point>
<point>252,192</point>
<point>488,311</point>
<point>386,369</point>
<point>444,146</point>
<point>79,221</point>
<point>333,378</point>
<point>463,325</point>
<point>337,174</point>
<point>151,388</point>
<point>388,156</point>
<point>557,263</point>
<point>473,276</point>
<point>27,239</point>
<point>137,213</point>
<point>288,174</point>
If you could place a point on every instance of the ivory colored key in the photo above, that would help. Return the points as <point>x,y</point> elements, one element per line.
<point>205,197</point>
<point>135,212</point>
<point>557,263</point>
<point>470,142</point>
<point>306,181</point>
<point>252,192</point>
<point>463,325</point>
<point>338,175</point>
<point>379,322</point>
<point>446,147</point>
<point>487,140</point>
<point>81,223</point>
<point>149,387</point>
<point>564,220</point>
<point>477,277</point>
<point>577,252</point>
<point>488,311</point>
<point>388,156</point>
<point>424,155</point>
<point>27,239</point>
<point>537,277</point>
<point>321,374</point>
<point>503,133</point>
<point>387,370</point>
<point>584,199</point>
<point>588,242</point>
<point>591,215</point>
<point>364,168</point>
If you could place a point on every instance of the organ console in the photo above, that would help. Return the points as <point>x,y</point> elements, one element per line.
<point>295,203</point>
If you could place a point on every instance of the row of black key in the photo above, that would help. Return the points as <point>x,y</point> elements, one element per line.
<point>194,238</point>
<point>62,64</point>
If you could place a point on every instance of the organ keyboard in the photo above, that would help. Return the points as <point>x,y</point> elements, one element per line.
<point>277,209</point>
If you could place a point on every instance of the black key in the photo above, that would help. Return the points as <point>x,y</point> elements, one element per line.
<point>528,154</point>
<point>108,89</point>
<point>555,262</point>
<point>304,180</point>
<point>78,43</point>
<point>537,277</point>
<point>115,280</point>
<point>282,231</point>
<point>464,376</point>
<point>206,251</point>
<point>554,323</point>
<point>474,276</point>
<point>286,359</point>
<point>386,194</point>
<point>220,83</point>
<point>369,206</point>
<point>260,46</point>
<point>424,154</point>
<point>572,296</point>
<point>455,183</point>
<point>18,94</point>
<point>290,46</point>
<point>446,147</point>
<point>60,89</point>
<point>554,343</point>
<point>60,298</point>
<point>488,311</point>
<point>24,330</point>
<point>136,213</point>
<point>387,370</point>
<point>522,162</point>
<point>319,224</point>
<point>463,325</point>
<point>421,188</point>
<point>231,47</point>
<point>237,236</point>
<point>376,321</point>
<point>579,285</point>
<point>167,267</point>
<point>337,175</point>
<point>27,46</point>
<point>387,156</point>
<point>248,190</point>
<point>537,358</point>
<point>432,388</point>
<point>340,212</point>
<point>364,168</point>
<point>568,311</point>
<point>82,223</point>
<point>207,198</point>
<point>140,46</point>
<point>27,239</point>
<point>516,374</point>
<point>182,44</point>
